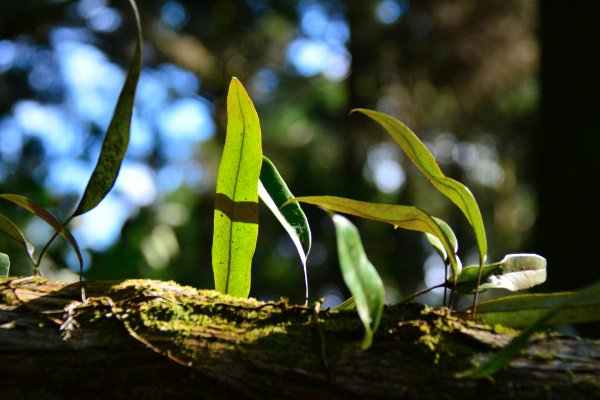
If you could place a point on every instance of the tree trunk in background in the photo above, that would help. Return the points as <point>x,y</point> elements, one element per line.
<point>154,340</point>
<point>567,161</point>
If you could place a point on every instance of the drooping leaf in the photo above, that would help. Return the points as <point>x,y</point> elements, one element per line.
<point>41,212</point>
<point>274,192</point>
<point>405,217</point>
<point>236,205</point>
<point>418,153</point>
<point>518,311</point>
<point>437,244</point>
<point>4,265</point>
<point>117,135</point>
<point>360,276</point>
<point>515,272</point>
<point>551,309</point>
<point>11,230</point>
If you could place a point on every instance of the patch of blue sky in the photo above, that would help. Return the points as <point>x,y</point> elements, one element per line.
<point>100,228</point>
<point>142,139</point>
<point>11,140</point>
<point>152,93</point>
<point>174,14</point>
<point>184,83</point>
<point>68,176</point>
<point>50,124</point>
<point>389,11</point>
<point>183,123</point>
<point>7,55</point>
<point>321,45</point>
<point>136,184</point>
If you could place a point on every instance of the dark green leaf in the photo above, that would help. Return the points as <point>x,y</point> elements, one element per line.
<point>515,272</point>
<point>405,217</point>
<point>274,192</point>
<point>4,265</point>
<point>236,206</point>
<point>550,310</point>
<point>40,212</point>
<point>11,230</point>
<point>360,276</point>
<point>418,153</point>
<point>117,136</point>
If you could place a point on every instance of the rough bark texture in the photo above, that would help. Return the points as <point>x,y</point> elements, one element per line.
<point>154,340</point>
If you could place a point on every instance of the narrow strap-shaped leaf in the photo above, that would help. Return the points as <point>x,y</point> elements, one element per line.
<point>236,206</point>
<point>360,276</point>
<point>418,153</point>
<point>437,244</point>
<point>563,304</point>
<point>117,136</point>
<point>11,230</point>
<point>274,192</point>
<point>405,217</point>
<point>514,272</point>
<point>4,265</point>
<point>41,212</point>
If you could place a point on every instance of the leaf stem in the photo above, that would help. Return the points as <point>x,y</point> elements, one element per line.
<point>422,292</point>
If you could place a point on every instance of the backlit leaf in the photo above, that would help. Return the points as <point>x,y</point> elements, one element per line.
<point>274,192</point>
<point>548,309</point>
<point>514,272</point>
<point>405,217</point>
<point>117,136</point>
<point>11,230</point>
<point>418,153</point>
<point>4,265</point>
<point>360,276</point>
<point>347,304</point>
<point>40,212</point>
<point>236,205</point>
<point>437,244</point>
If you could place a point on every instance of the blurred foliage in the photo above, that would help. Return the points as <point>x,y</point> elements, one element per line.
<point>461,74</point>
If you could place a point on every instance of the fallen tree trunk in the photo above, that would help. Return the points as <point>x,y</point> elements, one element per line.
<point>150,339</point>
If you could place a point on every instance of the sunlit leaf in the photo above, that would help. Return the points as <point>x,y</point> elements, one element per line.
<point>360,276</point>
<point>117,136</point>
<point>515,272</point>
<point>41,212</point>
<point>405,217</point>
<point>346,305</point>
<point>236,205</point>
<point>553,308</point>
<point>274,192</point>
<point>418,153</point>
<point>11,230</point>
<point>437,244</point>
<point>4,265</point>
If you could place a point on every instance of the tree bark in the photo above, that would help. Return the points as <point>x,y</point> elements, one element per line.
<point>154,340</point>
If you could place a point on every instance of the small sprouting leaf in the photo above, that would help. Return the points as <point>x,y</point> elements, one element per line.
<point>405,217</point>
<point>117,135</point>
<point>437,244</point>
<point>515,272</point>
<point>553,308</point>
<point>4,265</point>
<point>41,212</point>
<point>418,153</point>
<point>360,276</point>
<point>236,205</point>
<point>274,192</point>
<point>11,230</point>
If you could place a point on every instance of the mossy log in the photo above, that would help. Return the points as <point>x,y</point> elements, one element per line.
<point>158,340</point>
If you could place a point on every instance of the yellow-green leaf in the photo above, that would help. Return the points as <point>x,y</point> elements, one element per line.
<point>405,217</point>
<point>274,192</point>
<point>360,276</point>
<point>117,136</point>
<point>41,212</point>
<point>236,205</point>
<point>437,244</point>
<point>514,272</point>
<point>11,230</point>
<point>418,153</point>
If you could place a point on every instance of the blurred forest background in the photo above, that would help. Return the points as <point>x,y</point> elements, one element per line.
<point>505,93</point>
